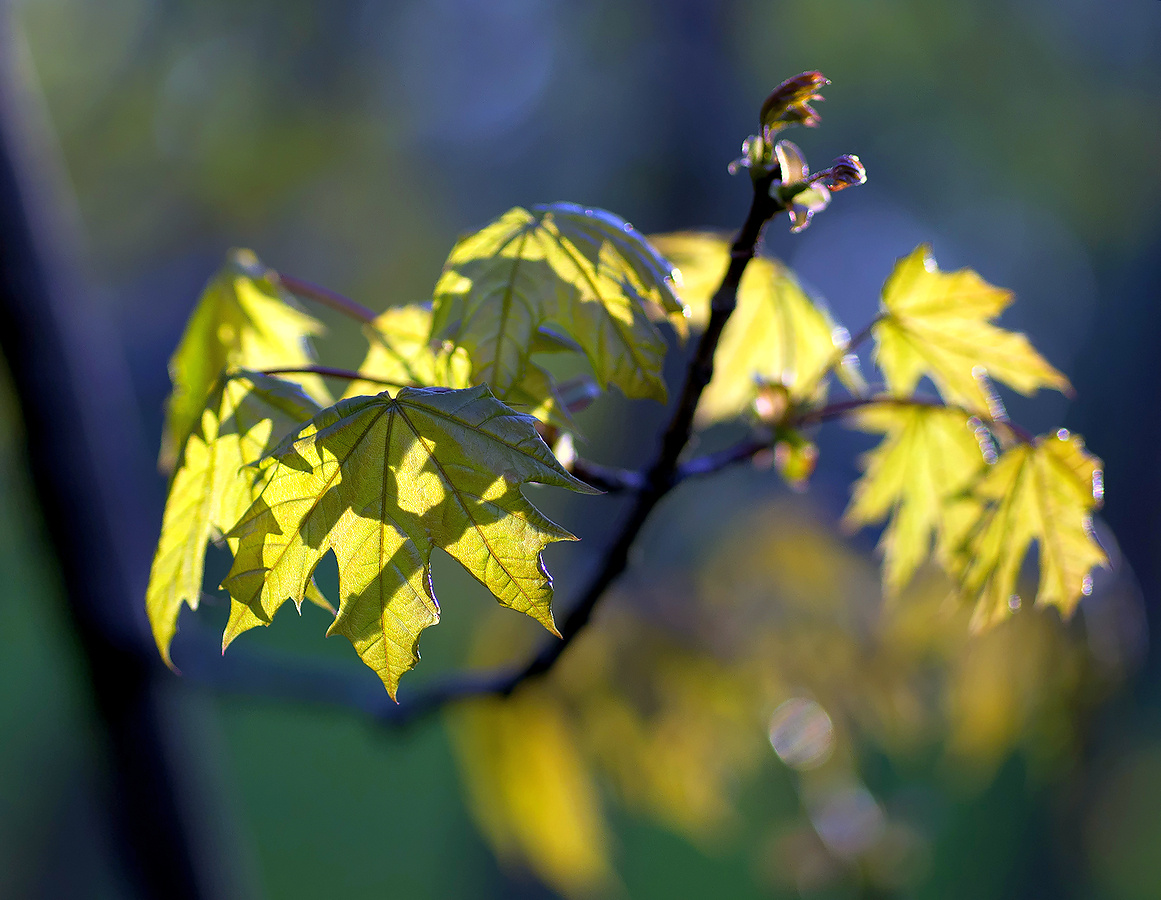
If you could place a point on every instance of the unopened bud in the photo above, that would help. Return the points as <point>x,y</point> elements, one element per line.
<point>789,103</point>
<point>847,170</point>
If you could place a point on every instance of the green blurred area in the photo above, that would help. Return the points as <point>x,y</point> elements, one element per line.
<point>351,143</point>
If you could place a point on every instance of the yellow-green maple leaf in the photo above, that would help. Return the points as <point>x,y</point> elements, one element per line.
<point>940,324</point>
<point>776,333</point>
<point>585,271</point>
<point>402,354</point>
<point>244,319</point>
<point>382,481</point>
<point>928,455</point>
<point>246,416</point>
<point>1043,492</point>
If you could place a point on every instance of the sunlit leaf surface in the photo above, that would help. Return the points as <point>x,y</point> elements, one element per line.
<point>246,416</point>
<point>928,455</point>
<point>1045,493</point>
<point>940,324</point>
<point>382,482</point>
<point>583,270</point>
<point>244,319</point>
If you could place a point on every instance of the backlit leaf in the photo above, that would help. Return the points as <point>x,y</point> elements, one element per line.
<point>401,355</point>
<point>940,324</point>
<point>246,416</point>
<point>583,270</point>
<point>382,481</point>
<point>928,455</point>
<point>244,319</point>
<point>1043,492</point>
<point>776,333</point>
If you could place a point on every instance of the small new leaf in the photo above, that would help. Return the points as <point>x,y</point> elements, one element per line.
<point>1043,492</point>
<point>929,455</point>
<point>584,270</point>
<point>243,320</point>
<point>246,416</point>
<point>382,481</point>
<point>940,324</point>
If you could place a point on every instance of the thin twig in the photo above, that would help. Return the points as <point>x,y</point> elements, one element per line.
<point>325,296</point>
<point>328,372</point>
<point>844,408</point>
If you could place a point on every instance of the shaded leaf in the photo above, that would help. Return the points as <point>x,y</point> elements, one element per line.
<point>928,456</point>
<point>382,482</point>
<point>246,416</point>
<point>583,270</point>
<point>1043,492</point>
<point>940,324</point>
<point>244,319</point>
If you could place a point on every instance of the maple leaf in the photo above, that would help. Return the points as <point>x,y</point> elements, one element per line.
<point>382,481</point>
<point>940,324</point>
<point>1045,492</point>
<point>584,270</point>
<point>246,416</point>
<point>928,455</point>
<point>244,319</point>
<point>776,333</point>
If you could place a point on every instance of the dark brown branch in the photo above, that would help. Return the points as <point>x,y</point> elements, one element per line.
<point>609,479</point>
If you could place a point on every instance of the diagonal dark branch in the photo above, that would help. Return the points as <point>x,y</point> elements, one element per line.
<point>660,478</point>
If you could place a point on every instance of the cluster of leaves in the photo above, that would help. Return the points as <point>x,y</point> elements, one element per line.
<point>437,432</point>
<point>265,460</point>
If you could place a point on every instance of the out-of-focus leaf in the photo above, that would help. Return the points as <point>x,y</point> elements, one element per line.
<point>583,270</point>
<point>401,355</point>
<point>940,324</point>
<point>928,455</point>
<point>1043,492</point>
<point>244,319</point>
<point>246,416</point>
<point>776,334</point>
<point>382,482</point>
<point>701,259</point>
<point>532,791</point>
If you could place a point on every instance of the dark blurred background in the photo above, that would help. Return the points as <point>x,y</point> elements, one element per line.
<point>350,143</point>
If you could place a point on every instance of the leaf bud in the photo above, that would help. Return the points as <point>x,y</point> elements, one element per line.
<point>847,170</point>
<point>789,103</point>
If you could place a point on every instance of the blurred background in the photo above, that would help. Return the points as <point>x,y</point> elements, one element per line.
<point>746,720</point>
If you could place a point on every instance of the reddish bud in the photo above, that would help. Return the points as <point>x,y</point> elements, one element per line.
<point>789,103</point>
